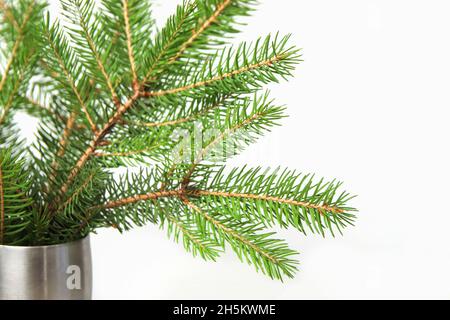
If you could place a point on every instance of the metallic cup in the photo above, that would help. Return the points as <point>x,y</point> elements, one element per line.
<point>57,272</point>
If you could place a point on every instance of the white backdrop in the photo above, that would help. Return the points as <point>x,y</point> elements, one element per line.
<point>369,106</point>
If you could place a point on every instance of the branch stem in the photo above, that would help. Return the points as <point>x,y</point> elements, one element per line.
<point>99,136</point>
<point>129,41</point>
<point>184,193</point>
<point>322,208</point>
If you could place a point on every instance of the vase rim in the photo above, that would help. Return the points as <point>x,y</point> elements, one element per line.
<point>86,238</point>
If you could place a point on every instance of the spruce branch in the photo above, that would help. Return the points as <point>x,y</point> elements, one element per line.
<point>8,14</point>
<point>262,116</point>
<point>97,140</point>
<point>270,256</point>
<point>195,115</point>
<point>16,85</point>
<point>287,198</point>
<point>129,41</point>
<point>15,213</point>
<point>17,43</point>
<point>196,33</point>
<point>236,70</point>
<point>193,240</point>
<point>267,198</point>
<point>77,192</point>
<point>56,41</point>
<point>165,45</point>
<point>129,24</point>
<point>70,124</point>
<point>187,111</point>
<point>80,13</point>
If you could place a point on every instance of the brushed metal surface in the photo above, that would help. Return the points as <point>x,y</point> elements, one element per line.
<point>58,272</point>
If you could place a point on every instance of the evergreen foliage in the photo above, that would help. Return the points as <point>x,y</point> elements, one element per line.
<point>113,91</point>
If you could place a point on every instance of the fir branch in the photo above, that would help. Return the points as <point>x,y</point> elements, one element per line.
<point>178,26</point>
<point>15,89</point>
<point>196,33</point>
<point>68,77</point>
<point>129,41</point>
<point>222,77</point>
<point>15,211</point>
<point>82,10</point>
<point>205,248</point>
<point>17,44</point>
<point>230,232</point>
<point>9,14</point>
<point>270,256</point>
<point>263,114</point>
<point>205,109</point>
<point>97,140</point>
<point>321,208</point>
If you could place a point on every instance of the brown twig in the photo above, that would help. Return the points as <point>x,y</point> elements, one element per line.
<point>97,140</point>
<point>321,208</point>
<point>138,198</point>
<point>185,193</point>
<point>129,41</point>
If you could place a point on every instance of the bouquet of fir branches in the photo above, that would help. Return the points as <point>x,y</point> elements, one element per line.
<point>112,91</point>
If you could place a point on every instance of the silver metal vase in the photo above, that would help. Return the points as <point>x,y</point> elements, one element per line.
<point>57,272</point>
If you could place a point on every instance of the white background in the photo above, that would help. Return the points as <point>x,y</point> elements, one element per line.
<point>369,106</point>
